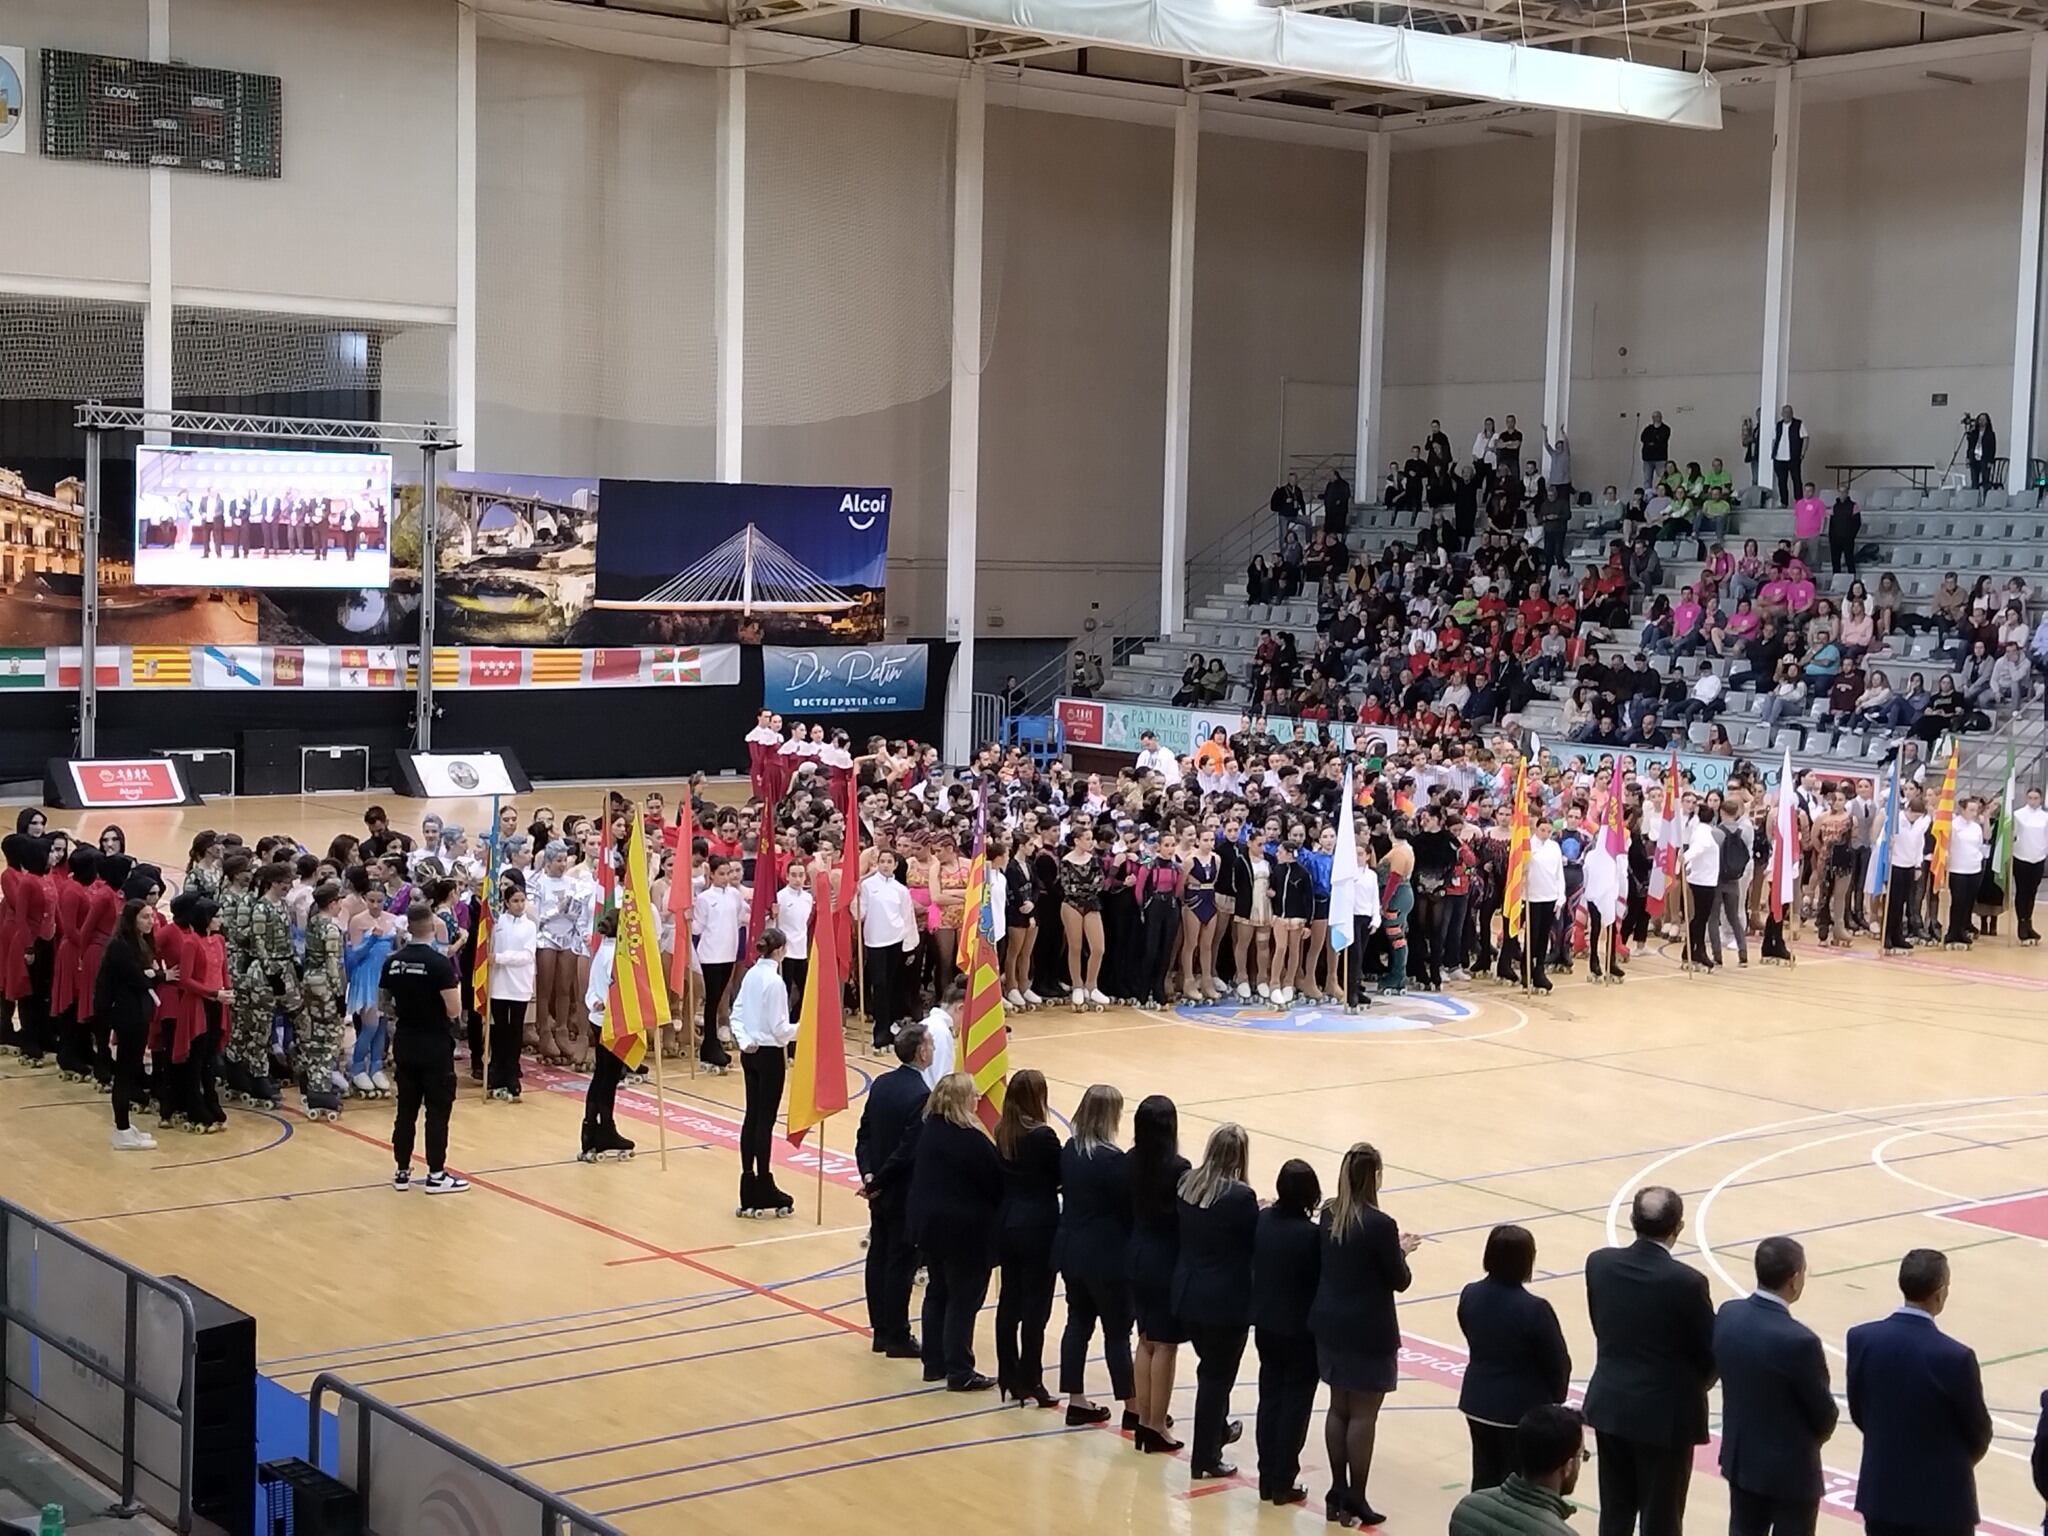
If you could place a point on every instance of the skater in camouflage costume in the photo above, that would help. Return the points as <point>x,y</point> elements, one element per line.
<point>317,1043</point>
<point>267,982</point>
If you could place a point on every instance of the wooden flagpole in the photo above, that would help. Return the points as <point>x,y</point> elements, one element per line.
<point>820,1214</point>
<point>476,920</point>
<point>1527,939</point>
<point>660,1103</point>
<point>688,1007</point>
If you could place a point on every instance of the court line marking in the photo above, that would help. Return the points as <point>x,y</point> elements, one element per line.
<point>611,1370</point>
<point>536,1203</point>
<point>752,1242</point>
<point>460,1367</point>
<point>1878,1160</point>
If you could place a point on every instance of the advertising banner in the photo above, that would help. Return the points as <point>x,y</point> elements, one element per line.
<point>1115,726</point>
<point>863,679</point>
<point>107,781</point>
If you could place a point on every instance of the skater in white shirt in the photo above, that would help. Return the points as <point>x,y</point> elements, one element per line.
<point>515,939</point>
<point>763,1031</point>
<point>721,913</point>
<point>794,905</point>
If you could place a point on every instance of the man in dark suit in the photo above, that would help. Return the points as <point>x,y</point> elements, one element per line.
<point>2041,1454</point>
<point>1777,1410</point>
<point>882,1148</point>
<point>1653,1324</point>
<point>1918,1398</point>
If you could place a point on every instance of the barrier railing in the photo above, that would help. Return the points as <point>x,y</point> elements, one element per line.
<point>991,718</point>
<point>399,1467</point>
<point>97,1361</point>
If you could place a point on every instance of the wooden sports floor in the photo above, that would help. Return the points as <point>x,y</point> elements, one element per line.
<point>616,1333</point>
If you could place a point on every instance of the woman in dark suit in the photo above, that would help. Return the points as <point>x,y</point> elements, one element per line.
<point>1030,1153</point>
<point>1212,1287</point>
<point>1092,1250</point>
<point>1518,1358</point>
<point>1358,1342</point>
<point>1287,1256</point>
<point>124,1002</point>
<point>956,1195</point>
<point>1156,1167</point>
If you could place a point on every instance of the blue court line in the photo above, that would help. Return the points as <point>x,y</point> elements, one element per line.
<point>284,1134</point>
<point>838,1466</point>
<point>618,1370</point>
<point>672,1306</point>
<point>780,1450</point>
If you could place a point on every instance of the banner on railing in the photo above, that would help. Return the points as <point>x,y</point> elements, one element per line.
<point>853,679</point>
<point>375,667</point>
<point>1115,726</point>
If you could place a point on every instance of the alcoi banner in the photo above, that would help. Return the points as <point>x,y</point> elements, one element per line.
<point>854,679</point>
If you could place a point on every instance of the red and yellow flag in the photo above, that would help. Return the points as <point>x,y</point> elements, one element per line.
<point>1515,889</point>
<point>682,896</point>
<point>817,1079</point>
<point>637,1001</point>
<point>1944,819</point>
<point>480,966</point>
<point>986,1057</point>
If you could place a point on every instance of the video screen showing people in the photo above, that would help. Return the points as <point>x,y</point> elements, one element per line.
<point>239,517</point>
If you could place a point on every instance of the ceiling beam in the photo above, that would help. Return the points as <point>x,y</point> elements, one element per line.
<point>1981,13</point>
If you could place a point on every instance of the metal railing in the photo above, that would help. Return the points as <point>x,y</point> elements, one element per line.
<point>1222,559</point>
<point>115,1330</point>
<point>394,1463</point>
<point>991,718</point>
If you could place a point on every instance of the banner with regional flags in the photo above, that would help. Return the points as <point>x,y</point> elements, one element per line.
<point>358,667</point>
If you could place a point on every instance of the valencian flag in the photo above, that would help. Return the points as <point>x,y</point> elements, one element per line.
<point>1516,887</point>
<point>480,968</point>
<point>682,896</point>
<point>1944,820</point>
<point>637,1001</point>
<point>817,1080</point>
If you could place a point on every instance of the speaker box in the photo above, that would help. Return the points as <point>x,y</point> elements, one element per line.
<point>209,771</point>
<point>270,762</point>
<point>223,1412</point>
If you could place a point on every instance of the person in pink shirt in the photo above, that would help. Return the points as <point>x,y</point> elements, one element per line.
<point>1809,519</point>
<point>1776,597</point>
<point>1800,595</point>
<point>1744,621</point>
<point>1685,613</point>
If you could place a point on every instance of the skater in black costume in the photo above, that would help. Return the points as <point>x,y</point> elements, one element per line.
<point>601,1138</point>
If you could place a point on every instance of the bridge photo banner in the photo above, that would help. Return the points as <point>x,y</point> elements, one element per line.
<point>858,679</point>
<point>757,564</point>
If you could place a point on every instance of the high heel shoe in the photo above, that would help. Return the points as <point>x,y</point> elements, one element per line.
<point>1131,1424</point>
<point>1152,1443</point>
<point>1082,1418</point>
<point>1036,1397</point>
<point>1220,1470</point>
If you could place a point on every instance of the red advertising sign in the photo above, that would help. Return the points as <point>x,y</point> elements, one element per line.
<point>1081,722</point>
<point>138,781</point>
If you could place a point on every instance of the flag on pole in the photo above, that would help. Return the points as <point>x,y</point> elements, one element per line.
<point>986,1053</point>
<point>2001,847</point>
<point>1785,845</point>
<point>767,877</point>
<point>480,964</point>
<point>636,1001</point>
<point>1515,888</point>
<point>1944,819</point>
<point>849,877</point>
<point>607,887</point>
<point>1344,874</point>
<point>1604,863</point>
<point>1664,868</point>
<point>682,897</point>
<point>1878,876</point>
<point>977,893</point>
<point>817,1081</point>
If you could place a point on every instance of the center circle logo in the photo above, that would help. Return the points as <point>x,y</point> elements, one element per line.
<point>463,776</point>
<point>1389,1015</point>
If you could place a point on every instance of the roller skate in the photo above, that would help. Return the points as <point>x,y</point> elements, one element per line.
<point>319,1102</point>
<point>166,1120</point>
<point>603,1143</point>
<point>1032,999</point>
<point>363,1086</point>
<point>504,1096</point>
<point>37,1063</point>
<point>1078,1000</point>
<point>1097,1001</point>
<point>382,1084</point>
<point>66,1075</point>
<point>2029,939</point>
<point>261,1093</point>
<point>1014,1000</point>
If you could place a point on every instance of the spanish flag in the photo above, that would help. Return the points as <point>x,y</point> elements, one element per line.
<point>637,1001</point>
<point>1516,889</point>
<point>817,1083</point>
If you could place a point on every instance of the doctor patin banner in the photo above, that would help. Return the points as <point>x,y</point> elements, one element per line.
<point>803,680</point>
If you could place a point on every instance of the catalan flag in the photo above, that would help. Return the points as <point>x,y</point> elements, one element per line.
<point>556,668</point>
<point>447,667</point>
<point>986,1053</point>
<point>480,967</point>
<point>1515,891</point>
<point>1944,819</point>
<point>817,1081</point>
<point>637,1001</point>
<point>160,666</point>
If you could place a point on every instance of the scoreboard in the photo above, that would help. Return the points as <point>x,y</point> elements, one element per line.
<point>131,112</point>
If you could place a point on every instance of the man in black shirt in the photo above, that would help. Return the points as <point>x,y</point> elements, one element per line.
<point>1656,449</point>
<point>421,994</point>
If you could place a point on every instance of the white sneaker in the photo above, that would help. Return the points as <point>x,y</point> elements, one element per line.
<point>1098,998</point>
<point>134,1139</point>
<point>1033,998</point>
<point>444,1184</point>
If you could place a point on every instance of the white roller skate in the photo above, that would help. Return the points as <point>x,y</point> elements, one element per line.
<point>1244,992</point>
<point>1078,1000</point>
<point>1097,1001</point>
<point>382,1082</point>
<point>504,1096</point>
<point>1032,999</point>
<point>363,1087</point>
<point>1014,1001</point>
<point>1263,990</point>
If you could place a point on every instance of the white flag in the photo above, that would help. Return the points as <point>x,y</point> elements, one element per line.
<point>1603,879</point>
<point>1787,835</point>
<point>1344,875</point>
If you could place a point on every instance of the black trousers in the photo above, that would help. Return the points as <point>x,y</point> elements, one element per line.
<point>1898,905</point>
<point>2026,886</point>
<point>1700,912</point>
<point>1287,1397</point>
<point>431,1087</point>
<point>955,1286</point>
<point>1090,1303</point>
<point>606,1073</point>
<point>794,973</point>
<point>127,1077</point>
<point>763,1069</point>
<point>1541,915</point>
<point>1649,1481</point>
<point>199,1097</point>
<point>890,1265</point>
<point>1023,1307</point>
<point>1786,473</point>
<point>507,1020</point>
<point>1758,1514</point>
<point>1493,1454</point>
<point>1425,929</point>
<point>1218,1352</point>
<point>881,972</point>
<point>1962,905</point>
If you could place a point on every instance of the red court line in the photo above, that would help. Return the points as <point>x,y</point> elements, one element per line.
<point>679,1253</point>
<point>652,1250</point>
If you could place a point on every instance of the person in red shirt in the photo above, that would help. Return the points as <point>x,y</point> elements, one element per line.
<point>1535,611</point>
<point>102,912</point>
<point>70,990</point>
<point>27,922</point>
<point>203,997</point>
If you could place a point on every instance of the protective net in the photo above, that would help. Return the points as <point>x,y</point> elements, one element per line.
<point>69,349</point>
<point>222,354</point>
